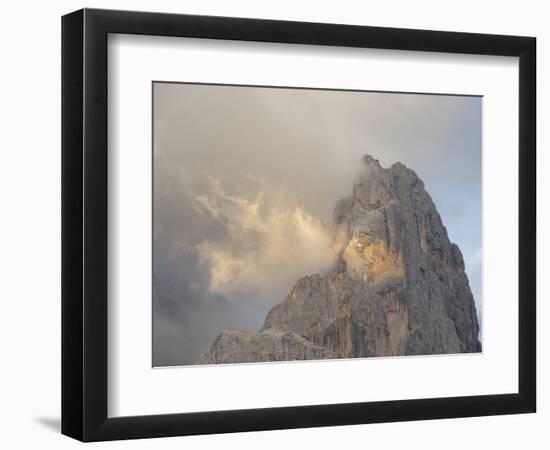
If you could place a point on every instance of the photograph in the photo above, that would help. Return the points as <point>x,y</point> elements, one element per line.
<point>294,224</point>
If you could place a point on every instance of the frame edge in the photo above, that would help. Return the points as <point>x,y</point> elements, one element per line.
<point>527,290</point>
<point>72,90</point>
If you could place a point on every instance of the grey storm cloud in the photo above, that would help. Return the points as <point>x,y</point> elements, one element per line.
<point>245,184</point>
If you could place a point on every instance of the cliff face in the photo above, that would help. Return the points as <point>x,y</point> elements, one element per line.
<point>398,285</point>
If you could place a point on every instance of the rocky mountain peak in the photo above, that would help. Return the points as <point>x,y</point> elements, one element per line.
<point>369,160</point>
<point>397,287</point>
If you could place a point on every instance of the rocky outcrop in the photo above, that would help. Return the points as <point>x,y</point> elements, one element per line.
<point>398,285</point>
<point>267,345</point>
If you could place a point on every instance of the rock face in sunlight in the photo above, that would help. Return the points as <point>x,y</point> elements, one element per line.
<point>397,287</point>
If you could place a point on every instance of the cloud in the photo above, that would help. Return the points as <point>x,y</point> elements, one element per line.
<point>270,241</point>
<point>186,315</point>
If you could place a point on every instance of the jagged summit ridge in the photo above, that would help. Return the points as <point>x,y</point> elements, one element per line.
<point>398,285</point>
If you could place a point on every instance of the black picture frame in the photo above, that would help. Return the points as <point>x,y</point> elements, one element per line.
<point>84,224</point>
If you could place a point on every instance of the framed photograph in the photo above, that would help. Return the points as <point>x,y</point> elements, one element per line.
<point>272,224</point>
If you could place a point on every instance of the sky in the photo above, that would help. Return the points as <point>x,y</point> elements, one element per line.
<point>246,179</point>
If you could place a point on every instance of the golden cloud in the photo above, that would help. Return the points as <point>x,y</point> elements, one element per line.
<point>270,242</point>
